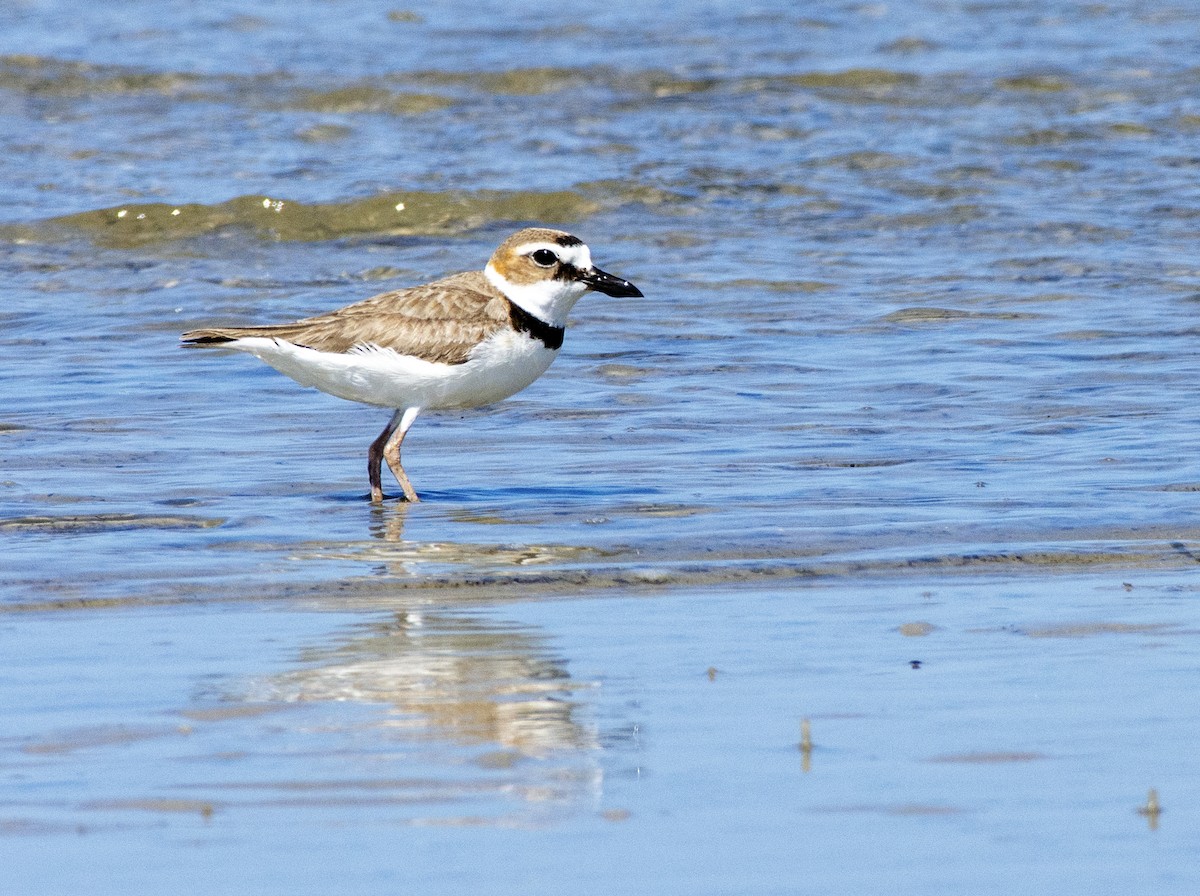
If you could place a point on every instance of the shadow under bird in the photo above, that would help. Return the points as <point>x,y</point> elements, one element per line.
<point>465,341</point>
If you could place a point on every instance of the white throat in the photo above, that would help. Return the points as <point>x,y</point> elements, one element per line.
<point>547,300</point>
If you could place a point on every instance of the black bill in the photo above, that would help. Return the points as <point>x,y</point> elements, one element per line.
<point>608,284</point>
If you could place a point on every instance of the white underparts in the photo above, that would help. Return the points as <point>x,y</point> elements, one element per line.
<point>500,366</point>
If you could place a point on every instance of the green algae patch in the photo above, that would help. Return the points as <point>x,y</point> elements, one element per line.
<point>854,79</point>
<point>46,76</point>
<point>104,522</point>
<point>1049,137</point>
<point>920,315</point>
<point>402,213</point>
<point>530,81</point>
<point>1035,83</point>
<point>366,98</point>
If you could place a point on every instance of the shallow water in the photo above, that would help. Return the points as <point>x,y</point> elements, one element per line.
<point>913,381</point>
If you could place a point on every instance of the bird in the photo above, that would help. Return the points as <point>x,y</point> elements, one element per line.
<point>465,341</point>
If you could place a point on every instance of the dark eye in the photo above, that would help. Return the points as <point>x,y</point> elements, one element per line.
<point>544,257</point>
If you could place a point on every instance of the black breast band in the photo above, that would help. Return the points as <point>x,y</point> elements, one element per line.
<point>524,322</point>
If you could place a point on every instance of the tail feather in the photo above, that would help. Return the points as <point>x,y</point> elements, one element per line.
<point>205,337</point>
<point>223,335</point>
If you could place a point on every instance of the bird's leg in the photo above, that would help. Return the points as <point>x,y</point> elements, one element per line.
<point>391,452</point>
<point>375,456</point>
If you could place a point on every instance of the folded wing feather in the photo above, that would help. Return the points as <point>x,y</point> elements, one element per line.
<point>438,322</point>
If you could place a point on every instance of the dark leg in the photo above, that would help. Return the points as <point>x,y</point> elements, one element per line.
<point>375,456</point>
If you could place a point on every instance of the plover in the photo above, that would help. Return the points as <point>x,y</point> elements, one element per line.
<point>465,341</point>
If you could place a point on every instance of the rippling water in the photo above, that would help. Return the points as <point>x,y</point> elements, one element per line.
<point>913,380</point>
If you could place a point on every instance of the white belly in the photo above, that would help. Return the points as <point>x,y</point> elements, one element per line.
<point>501,366</point>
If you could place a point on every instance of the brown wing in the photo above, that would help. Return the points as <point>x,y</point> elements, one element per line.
<point>440,321</point>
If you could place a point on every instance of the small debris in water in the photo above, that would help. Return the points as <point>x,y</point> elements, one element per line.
<point>1151,810</point>
<point>806,745</point>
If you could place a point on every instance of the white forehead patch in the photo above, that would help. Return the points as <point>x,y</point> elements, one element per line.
<point>577,256</point>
